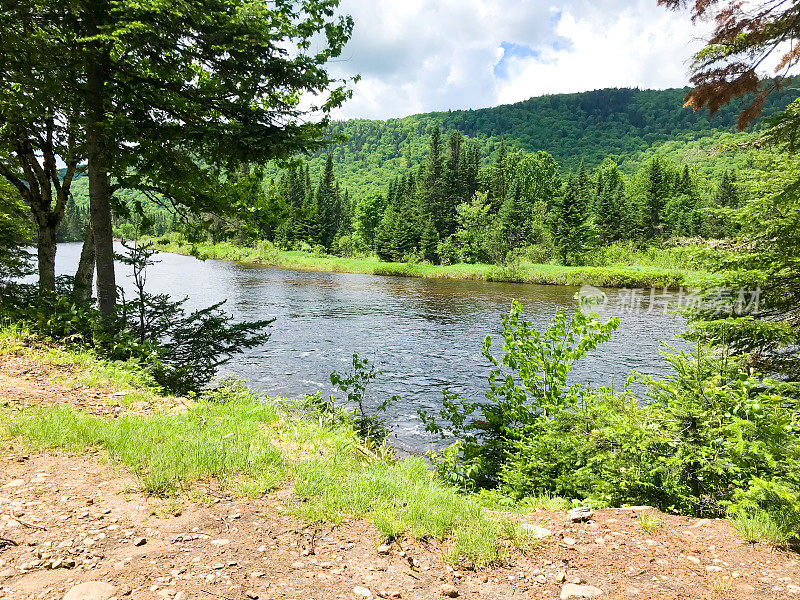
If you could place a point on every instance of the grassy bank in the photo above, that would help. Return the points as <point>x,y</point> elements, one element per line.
<point>249,445</point>
<point>644,275</point>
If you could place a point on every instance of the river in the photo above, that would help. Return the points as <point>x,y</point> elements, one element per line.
<point>425,334</point>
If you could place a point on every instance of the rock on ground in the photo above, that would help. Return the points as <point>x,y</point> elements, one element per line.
<point>91,590</point>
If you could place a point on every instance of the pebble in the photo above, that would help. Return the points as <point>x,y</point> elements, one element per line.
<point>383,549</point>
<point>220,542</point>
<point>362,592</point>
<point>91,590</point>
<point>448,591</point>
<point>572,590</point>
<point>580,514</point>
<point>139,541</point>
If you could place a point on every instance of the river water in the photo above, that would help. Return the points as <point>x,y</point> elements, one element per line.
<point>425,334</point>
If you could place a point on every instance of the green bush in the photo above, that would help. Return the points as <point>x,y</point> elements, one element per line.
<point>712,438</point>
<point>767,511</point>
<point>527,390</point>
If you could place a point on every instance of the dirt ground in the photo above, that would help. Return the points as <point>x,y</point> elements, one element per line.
<point>65,520</point>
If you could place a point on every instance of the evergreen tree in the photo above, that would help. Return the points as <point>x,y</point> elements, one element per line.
<point>453,183</point>
<point>655,199</point>
<point>325,216</point>
<point>433,191</point>
<point>498,186</point>
<point>727,194</point>
<point>574,236</point>
<point>429,241</point>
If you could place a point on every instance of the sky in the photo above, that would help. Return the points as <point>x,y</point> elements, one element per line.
<point>430,55</point>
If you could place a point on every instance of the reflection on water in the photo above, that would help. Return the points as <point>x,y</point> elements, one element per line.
<point>426,334</point>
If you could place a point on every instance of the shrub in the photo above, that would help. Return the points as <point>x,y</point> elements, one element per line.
<point>448,252</point>
<point>527,393</point>
<point>767,511</point>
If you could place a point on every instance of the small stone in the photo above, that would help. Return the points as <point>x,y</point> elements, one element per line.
<point>572,590</point>
<point>561,577</point>
<point>448,591</point>
<point>91,590</point>
<point>541,579</point>
<point>362,592</point>
<point>180,596</point>
<point>140,541</point>
<point>257,574</point>
<point>580,514</point>
<point>568,541</point>
<point>298,565</point>
<point>713,569</point>
<point>14,483</point>
<point>693,559</point>
<point>220,542</point>
<point>383,549</point>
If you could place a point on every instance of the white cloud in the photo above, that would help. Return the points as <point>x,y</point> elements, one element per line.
<point>423,55</point>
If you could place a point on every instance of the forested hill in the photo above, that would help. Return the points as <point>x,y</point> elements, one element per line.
<point>588,126</point>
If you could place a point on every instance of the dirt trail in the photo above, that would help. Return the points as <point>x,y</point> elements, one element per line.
<point>66,520</point>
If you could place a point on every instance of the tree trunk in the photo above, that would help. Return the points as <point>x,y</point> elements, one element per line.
<point>46,251</point>
<point>99,187</point>
<point>85,273</point>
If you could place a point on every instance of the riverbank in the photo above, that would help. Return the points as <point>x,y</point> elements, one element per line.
<point>107,485</point>
<point>624,276</point>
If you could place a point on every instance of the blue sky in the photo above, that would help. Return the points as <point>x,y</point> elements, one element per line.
<point>424,55</point>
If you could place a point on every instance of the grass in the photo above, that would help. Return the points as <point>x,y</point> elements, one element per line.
<point>128,378</point>
<point>650,521</point>
<point>241,442</point>
<point>644,270</point>
<point>721,586</point>
<point>760,526</point>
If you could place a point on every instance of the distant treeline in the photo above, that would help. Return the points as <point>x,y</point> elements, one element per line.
<point>453,209</point>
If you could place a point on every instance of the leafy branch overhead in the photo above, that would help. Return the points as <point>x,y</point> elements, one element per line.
<point>751,41</point>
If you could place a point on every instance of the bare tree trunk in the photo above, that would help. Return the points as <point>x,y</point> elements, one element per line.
<point>99,185</point>
<point>46,252</point>
<point>85,273</point>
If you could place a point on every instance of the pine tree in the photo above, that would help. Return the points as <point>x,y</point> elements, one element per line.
<point>727,194</point>
<point>433,189</point>
<point>655,199</point>
<point>429,241</point>
<point>326,199</point>
<point>453,184</point>
<point>574,236</point>
<point>498,187</point>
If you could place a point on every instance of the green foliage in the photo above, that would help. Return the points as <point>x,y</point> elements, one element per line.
<point>15,231</point>
<point>182,350</point>
<point>528,389</point>
<point>767,511</point>
<point>712,438</point>
<point>367,426</point>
